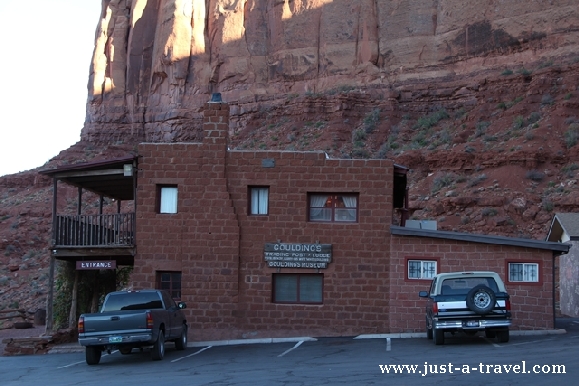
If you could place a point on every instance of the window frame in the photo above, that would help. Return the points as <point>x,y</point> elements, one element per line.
<point>159,198</point>
<point>333,198</point>
<point>250,190</point>
<point>171,290</point>
<point>422,259</point>
<point>298,276</point>
<point>537,263</point>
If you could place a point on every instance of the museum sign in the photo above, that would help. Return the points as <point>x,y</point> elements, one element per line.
<point>284,255</point>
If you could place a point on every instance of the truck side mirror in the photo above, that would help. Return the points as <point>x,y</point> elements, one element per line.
<point>423,294</point>
<point>182,305</point>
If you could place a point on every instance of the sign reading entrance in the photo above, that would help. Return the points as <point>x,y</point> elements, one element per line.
<point>96,264</point>
<point>282,255</point>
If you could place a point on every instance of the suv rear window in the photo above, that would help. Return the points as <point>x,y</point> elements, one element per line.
<point>461,286</point>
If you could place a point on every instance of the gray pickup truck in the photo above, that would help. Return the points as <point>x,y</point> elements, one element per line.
<point>468,302</point>
<point>133,319</point>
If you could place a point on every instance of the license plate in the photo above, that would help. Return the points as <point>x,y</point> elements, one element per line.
<point>115,339</point>
<point>472,323</point>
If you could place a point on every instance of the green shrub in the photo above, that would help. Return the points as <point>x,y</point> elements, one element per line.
<point>571,137</point>
<point>547,99</point>
<point>474,181</point>
<point>359,135</point>
<point>486,212</point>
<point>518,122</point>
<point>481,128</point>
<point>430,120</point>
<point>507,71</point>
<point>535,175</point>
<point>443,181</point>
<point>371,120</point>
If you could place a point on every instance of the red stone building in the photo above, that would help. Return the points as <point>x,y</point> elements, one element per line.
<point>265,244</point>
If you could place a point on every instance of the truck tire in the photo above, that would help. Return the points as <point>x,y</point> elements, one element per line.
<point>437,336</point>
<point>181,343</point>
<point>158,351</point>
<point>428,330</point>
<point>503,336</point>
<point>93,355</point>
<point>481,299</point>
<point>126,350</point>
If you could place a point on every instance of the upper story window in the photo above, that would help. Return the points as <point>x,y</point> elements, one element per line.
<point>524,272</point>
<point>333,207</point>
<point>167,198</point>
<point>258,200</point>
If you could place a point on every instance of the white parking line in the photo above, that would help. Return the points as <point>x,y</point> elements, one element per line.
<point>298,344</point>
<point>190,355</point>
<point>78,363</point>
<point>388,344</point>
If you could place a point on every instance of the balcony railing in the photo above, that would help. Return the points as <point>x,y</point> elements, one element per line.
<point>95,230</point>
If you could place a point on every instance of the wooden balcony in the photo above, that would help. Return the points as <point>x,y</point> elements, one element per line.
<point>98,236</point>
<point>99,230</point>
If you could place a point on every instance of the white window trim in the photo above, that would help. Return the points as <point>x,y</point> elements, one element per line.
<point>422,268</point>
<point>168,200</point>
<point>259,201</point>
<point>525,272</point>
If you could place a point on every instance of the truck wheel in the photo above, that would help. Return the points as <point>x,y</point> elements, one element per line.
<point>93,355</point>
<point>125,350</point>
<point>428,330</point>
<point>481,299</point>
<point>158,351</point>
<point>437,336</point>
<point>502,336</point>
<point>489,333</point>
<point>181,343</point>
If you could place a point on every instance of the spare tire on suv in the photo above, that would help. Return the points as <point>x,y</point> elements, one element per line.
<point>481,299</point>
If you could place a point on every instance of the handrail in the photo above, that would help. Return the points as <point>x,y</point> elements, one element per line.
<point>95,230</point>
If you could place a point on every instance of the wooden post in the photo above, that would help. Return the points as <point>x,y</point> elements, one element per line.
<point>72,315</point>
<point>50,298</point>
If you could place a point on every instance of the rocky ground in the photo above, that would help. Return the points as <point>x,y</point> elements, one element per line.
<point>494,153</point>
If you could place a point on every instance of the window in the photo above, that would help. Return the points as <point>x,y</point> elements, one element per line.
<point>167,199</point>
<point>333,207</point>
<point>258,200</point>
<point>297,288</point>
<point>421,269</point>
<point>524,272</point>
<point>170,282</point>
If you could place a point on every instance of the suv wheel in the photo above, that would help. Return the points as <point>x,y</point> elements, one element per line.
<point>437,336</point>
<point>502,336</point>
<point>428,330</point>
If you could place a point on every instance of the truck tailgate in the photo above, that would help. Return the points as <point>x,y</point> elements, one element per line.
<point>115,322</point>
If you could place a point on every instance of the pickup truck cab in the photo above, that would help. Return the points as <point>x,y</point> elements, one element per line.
<point>468,302</point>
<point>133,319</point>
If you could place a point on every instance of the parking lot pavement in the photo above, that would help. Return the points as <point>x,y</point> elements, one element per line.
<point>323,361</point>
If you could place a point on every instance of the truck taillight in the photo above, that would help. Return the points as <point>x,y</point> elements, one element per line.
<point>149,320</point>
<point>507,305</point>
<point>435,307</point>
<point>81,325</point>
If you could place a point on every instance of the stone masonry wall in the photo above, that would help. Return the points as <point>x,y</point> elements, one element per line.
<point>219,248</point>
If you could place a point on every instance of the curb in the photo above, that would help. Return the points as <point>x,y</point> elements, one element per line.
<point>423,334</point>
<point>67,349</point>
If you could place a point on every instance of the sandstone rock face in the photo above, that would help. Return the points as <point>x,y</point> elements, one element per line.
<point>157,61</point>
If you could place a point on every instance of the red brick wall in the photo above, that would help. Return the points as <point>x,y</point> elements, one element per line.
<point>532,304</point>
<point>219,248</point>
